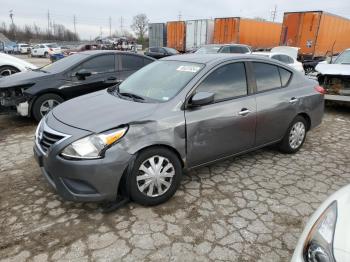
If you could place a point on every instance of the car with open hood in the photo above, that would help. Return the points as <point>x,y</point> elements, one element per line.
<point>178,113</point>
<point>334,76</point>
<point>35,92</point>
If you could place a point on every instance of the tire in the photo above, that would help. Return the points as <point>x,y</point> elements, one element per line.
<point>46,54</point>
<point>167,183</point>
<point>48,101</point>
<point>298,129</point>
<point>8,70</point>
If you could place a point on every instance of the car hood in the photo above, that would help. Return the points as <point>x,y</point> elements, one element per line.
<point>23,78</point>
<point>288,50</point>
<point>100,111</point>
<point>333,69</point>
<point>11,60</point>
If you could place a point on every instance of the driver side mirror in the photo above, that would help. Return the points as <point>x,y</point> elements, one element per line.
<point>201,99</point>
<point>82,74</point>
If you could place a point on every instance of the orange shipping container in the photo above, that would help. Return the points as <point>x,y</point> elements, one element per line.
<point>255,33</point>
<point>176,33</point>
<point>315,32</point>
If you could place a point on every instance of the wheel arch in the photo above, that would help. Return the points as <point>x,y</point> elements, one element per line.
<point>307,119</point>
<point>46,92</point>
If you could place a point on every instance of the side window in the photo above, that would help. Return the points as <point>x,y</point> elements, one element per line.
<point>237,49</point>
<point>153,49</point>
<point>41,46</point>
<point>285,76</point>
<point>131,62</point>
<point>100,64</point>
<point>226,82</point>
<point>225,49</point>
<point>267,76</point>
<point>147,61</point>
<point>286,59</point>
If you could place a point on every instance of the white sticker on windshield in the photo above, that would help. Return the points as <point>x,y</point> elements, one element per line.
<point>188,68</point>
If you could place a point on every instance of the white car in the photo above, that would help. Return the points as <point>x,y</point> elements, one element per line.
<point>326,236</point>
<point>45,50</point>
<point>284,54</point>
<point>22,48</point>
<point>10,65</point>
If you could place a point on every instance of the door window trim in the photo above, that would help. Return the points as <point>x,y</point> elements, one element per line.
<point>253,78</point>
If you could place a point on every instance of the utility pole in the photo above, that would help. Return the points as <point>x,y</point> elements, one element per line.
<point>274,14</point>
<point>110,26</point>
<point>180,16</point>
<point>121,26</point>
<point>75,26</point>
<point>11,16</point>
<point>48,22</point>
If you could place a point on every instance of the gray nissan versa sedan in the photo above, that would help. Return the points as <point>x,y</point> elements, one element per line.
<point>175,114</point>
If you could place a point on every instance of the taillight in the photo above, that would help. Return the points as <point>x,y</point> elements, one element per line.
<point>320,89</point>
<point>50,49</point>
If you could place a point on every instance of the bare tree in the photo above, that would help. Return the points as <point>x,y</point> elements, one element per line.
<point>140,25</point>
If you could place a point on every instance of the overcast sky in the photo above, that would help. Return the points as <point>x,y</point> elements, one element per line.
<point>91,15</point>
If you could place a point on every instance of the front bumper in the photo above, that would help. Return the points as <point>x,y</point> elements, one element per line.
<point>83,180</point>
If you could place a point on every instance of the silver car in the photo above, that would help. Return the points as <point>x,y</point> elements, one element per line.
<point>176,114</point>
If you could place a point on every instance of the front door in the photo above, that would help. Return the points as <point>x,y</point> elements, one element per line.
<point>103,74</point>
<point>227,126</point>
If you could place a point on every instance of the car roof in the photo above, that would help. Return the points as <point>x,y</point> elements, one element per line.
<point>97,52</point>
<point>211,58</point>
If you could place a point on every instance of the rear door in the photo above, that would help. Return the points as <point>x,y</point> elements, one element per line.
<point>227,126</point>
<point>103,73</point>
<point>275,100</point>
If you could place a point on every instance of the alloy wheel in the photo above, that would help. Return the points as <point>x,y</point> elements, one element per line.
<point>297,135</point>
<point>47,106</point>
<point>155,176</point>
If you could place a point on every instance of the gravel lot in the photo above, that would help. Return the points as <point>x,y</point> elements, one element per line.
<point>247,208</point>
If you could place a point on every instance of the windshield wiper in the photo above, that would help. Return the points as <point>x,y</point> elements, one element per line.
<point>131,95</point>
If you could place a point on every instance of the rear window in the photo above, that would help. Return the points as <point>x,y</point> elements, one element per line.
<point>52,46</point>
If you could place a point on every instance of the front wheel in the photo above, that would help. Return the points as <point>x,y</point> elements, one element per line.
<point>155,176</point>
<point>295,136</point>
<point>7,70</point>
<point>45,103</point>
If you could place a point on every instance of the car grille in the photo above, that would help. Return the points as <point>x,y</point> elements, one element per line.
<point>48,140</point>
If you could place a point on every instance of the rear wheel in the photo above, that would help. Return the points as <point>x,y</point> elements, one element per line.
<point>295,136</point>
<point>46,54</point>
<point>155,176</point>
<point>7,70</point>
<point>44,104</point>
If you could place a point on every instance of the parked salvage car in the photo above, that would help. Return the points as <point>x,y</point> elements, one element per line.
<point>35,92</point>
<point>22,48</point>
<point>284,54</point>
<point>176,114</point>
<point>224,48</point>
<point>335,77</point>
<point>160,52</point>
<point>45,50</point>
<point>326,236</point>
<point>10,65</point>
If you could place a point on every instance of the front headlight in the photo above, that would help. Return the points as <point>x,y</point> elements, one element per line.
<point>319,243</point>
<point>93,146</point>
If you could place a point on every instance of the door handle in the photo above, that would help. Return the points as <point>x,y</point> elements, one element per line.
<point>244,112</point>
<point>293,100</point>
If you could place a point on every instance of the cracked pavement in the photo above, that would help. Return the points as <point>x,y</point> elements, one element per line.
<point>248,208</point>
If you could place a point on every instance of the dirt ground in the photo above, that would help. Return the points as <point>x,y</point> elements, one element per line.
<point>248,208</point>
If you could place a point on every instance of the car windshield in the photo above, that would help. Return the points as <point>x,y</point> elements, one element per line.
<point>343,58</point>
<point>208,49</point>
<point>171,50</point>
<point>64,63</point>
<point>52,46</point>
<point>160,81</point>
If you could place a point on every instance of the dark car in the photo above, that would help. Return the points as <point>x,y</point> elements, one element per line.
<point>175,114</point>
<point>35,92</point>
<point>160,52</point>
<point>224,48</point>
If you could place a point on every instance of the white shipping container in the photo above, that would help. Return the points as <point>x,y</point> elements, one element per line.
<point>157,34</point>
<point>199,33</point>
